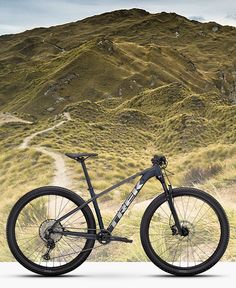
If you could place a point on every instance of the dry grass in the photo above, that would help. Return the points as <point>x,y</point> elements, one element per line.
<point>131,95</point>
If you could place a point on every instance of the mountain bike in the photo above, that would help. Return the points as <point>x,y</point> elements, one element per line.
<point>52,230</point>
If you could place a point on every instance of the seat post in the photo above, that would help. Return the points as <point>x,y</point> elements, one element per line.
<point>92,193</point>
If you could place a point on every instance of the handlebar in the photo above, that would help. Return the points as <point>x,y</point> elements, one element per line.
<point>160,160</point>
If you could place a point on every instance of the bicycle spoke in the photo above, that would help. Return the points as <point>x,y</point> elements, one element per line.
<point>176,251</point>
<point>48,207</point>
<point>193,208</point>
<point>40,251</point>
<point>168,216</point>
<point>203,217</point>
<point>64,207</point>
<point>55,207</point>
<point>186,208</point>
<point>59,245</point>
<point>72,221</point>
<point>178,211</point>
<point>36,217</point>
<point>198,245</point>
<point>59,209</point>
<point>187,251</point>
<point>29,240</point>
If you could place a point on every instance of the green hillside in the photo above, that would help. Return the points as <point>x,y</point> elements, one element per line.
<point>134,84</point>
<point>117,54</point>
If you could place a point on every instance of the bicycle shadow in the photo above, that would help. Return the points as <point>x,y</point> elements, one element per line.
<point>102,275</point>
<point>186,277</point>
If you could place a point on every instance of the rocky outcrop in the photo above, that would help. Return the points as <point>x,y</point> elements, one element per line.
<point>106,45</point>
<point>54,88</point>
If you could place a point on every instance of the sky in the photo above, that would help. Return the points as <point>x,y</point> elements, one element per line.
<point>20,15</point>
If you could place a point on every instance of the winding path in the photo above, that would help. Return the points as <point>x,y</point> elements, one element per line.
<point>7,118</point>
<point>60,174</point>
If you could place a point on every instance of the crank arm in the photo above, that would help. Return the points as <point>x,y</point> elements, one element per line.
<point>120,239</point>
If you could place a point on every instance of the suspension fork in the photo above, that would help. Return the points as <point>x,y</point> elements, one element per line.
<point>168,193</point>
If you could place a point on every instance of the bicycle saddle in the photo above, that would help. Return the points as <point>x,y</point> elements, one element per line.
<point>77,156</point>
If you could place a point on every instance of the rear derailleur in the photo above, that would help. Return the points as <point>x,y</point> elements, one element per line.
<point>50,246</point>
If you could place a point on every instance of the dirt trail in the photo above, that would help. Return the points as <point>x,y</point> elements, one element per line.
<point>60,174</point>
<point>7,118</point>
<point>141,206</point>
<point>26,141</point>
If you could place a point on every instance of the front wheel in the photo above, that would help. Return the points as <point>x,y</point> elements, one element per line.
<point>28,227</point>
<point>205,224</point>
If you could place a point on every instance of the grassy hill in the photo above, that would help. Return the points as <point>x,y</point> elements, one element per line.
<point>135,84</point>
<point>117,54</point>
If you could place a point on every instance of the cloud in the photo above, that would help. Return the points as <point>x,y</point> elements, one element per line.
<point>11,29</point>
<point>231,16</point>
<point>197,18</point>
<point>17,15</point>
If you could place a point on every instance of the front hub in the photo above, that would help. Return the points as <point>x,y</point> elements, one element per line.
<point>187,229</point>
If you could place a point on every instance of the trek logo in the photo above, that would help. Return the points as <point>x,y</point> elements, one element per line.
<point>126,204</point>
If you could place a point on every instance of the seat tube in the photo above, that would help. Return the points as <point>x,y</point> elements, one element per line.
<point>92,193</point>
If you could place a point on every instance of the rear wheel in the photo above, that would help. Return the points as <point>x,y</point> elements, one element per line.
<point>206,232</point>
<point>28,225</point>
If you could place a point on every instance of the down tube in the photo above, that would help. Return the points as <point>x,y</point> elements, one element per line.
<point>126,204</point>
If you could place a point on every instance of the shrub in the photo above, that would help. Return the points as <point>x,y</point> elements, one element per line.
<point>198,175</point>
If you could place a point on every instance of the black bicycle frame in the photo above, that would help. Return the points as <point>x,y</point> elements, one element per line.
<point>154,171</point>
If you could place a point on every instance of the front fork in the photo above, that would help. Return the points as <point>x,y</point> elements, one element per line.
<point>169,197</point>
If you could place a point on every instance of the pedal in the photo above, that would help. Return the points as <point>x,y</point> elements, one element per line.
<point>121,239</point>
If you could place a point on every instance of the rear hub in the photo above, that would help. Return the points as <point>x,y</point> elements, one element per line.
<point>46,232</point>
